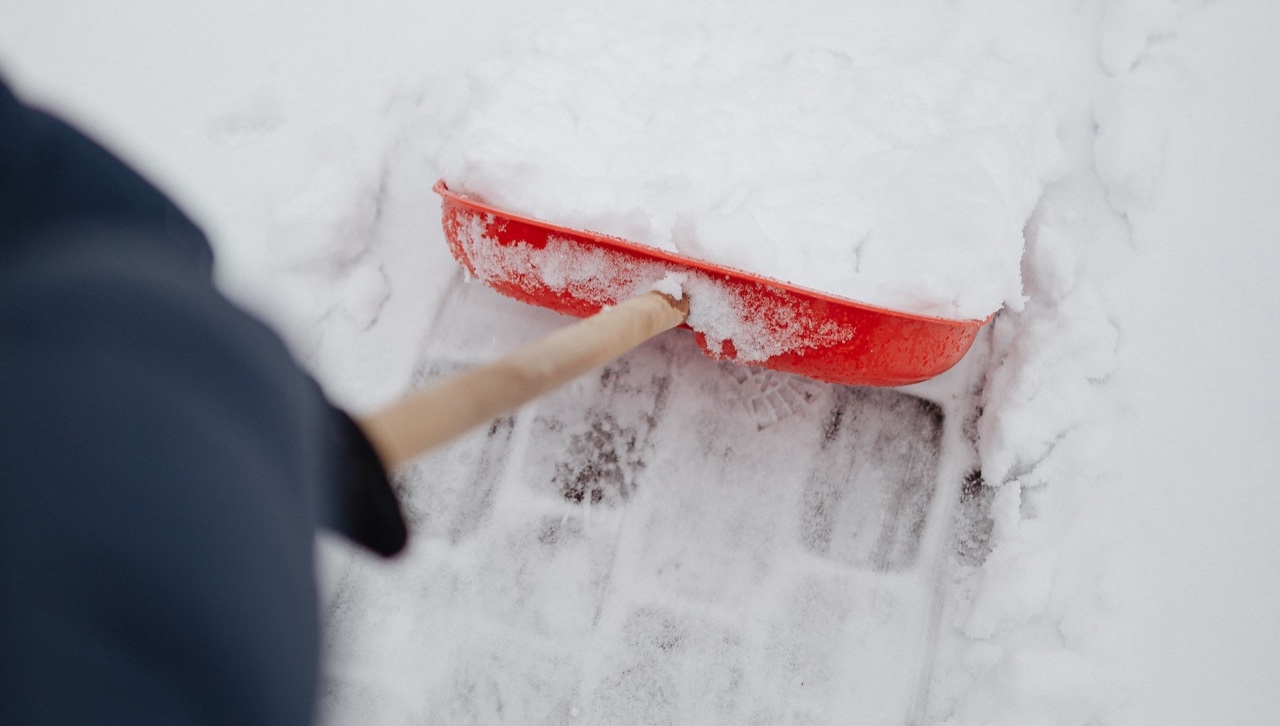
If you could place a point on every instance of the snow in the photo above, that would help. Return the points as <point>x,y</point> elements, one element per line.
<point>1074,526</point>
<point>893,161</point>
<point>591,274</point>
<point>672,285</point>
<point>1198,310</point>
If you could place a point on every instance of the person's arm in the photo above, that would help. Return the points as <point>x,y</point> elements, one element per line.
<point>164,462</point>
<point>156,512</point>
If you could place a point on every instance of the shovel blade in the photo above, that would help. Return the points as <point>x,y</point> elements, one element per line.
<point>775,324</point>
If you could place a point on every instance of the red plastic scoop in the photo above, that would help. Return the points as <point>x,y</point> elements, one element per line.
<point>736,315</point>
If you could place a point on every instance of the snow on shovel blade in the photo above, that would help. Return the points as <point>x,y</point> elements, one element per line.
<point>735,315</point>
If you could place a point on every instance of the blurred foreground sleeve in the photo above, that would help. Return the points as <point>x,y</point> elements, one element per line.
<point>164,462</point>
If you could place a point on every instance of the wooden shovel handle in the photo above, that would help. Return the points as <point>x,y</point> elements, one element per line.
<point>424,420</point>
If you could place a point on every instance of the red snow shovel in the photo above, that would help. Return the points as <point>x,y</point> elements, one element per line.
<point>786,327</point>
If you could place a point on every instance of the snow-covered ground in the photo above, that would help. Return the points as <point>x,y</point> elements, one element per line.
<point>1075,526</point>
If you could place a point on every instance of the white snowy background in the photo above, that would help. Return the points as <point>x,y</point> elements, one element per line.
<point>1124,416</point>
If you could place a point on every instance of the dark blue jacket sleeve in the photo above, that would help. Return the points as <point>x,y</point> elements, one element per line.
<point>164,462</point>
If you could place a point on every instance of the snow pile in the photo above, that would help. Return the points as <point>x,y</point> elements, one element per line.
<point>887,152</point>
<point>1034,624</point>
<point>1026,622</point>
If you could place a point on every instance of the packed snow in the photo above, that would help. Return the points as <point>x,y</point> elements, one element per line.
<point>1074,526</point>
